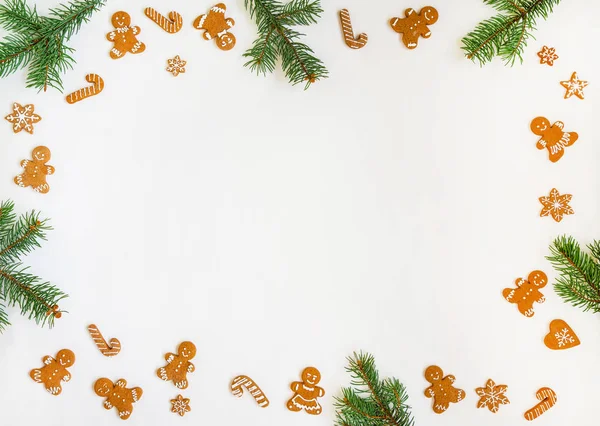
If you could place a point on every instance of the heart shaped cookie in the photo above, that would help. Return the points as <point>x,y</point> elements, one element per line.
<point>561,336</point>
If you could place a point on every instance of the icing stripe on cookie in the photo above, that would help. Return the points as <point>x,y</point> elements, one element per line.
<point>241,382</point>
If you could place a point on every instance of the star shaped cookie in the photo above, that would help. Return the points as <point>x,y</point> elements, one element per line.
<point>574,86</point>
<point>23,118</point>
<point>547,55</point>
<point>556,205</point>
<point>176,66</point>
<point>492,396</point>
<point>180,405</point>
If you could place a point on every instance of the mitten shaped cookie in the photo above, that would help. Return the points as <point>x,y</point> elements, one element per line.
<point>178,365</point>
<point>552,137</point>
<point>36,170</point>
<point>414,25</point>
<point>54,371</point>
<point>441,390</point>
<point>118,395</point>
<point>217,27</point>
<point>527,292</point>
<point>124,37</point>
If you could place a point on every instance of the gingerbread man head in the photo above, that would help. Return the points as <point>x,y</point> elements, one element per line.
<point>433,374</point>
<point>187,350</point>
<point>539,125</point>
<point>311,376</point>
<point>430,14</point>
<point>121,19</point>
<point>41,154</point>
<point>65,357</point>
<point>103,387</point>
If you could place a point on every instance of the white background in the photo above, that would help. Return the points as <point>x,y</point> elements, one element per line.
<point>383,210</point>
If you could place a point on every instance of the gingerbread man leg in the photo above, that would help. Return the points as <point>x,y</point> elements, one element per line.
<point>116,53</point>
<point>138,47</point>
<point>291,405</point>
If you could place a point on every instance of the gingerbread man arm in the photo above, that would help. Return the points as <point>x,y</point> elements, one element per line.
<point>537,296</point>
<point>429,393</point>
<point>107,404</point>
<point>67,376</point>
<point>450,378</point>
<point>111,36</point>
<point>169,357</point>
<point>191,368</point>
<point>47,360</point>
<point>559,124</point>
<point>24,163</point>
<point>295,386</point>
<point>121,383</point>
<point>230,22</point>
<point>50,170</point>
<point>541,144</point>
<point>136,30</point>
<point>320,391</point>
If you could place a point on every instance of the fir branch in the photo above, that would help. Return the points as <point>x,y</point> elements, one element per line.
<point>36,299</point>
<point>39,42</point>
<point>579,280</point>
<point>506,34</point>
<point>276,39</point>
<point>371,401</point>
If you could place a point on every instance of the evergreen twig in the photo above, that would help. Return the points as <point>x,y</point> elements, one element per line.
<point>506,34</point>
<point>18,237</point>
<point>371,401</point>
<point>39,42</point>
<point>579,280</point>
<point>277,40</point>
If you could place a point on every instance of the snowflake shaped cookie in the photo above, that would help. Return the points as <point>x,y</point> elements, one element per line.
<point>492,396</point>
<point>556,205</point>
<point>574,86</point>
<point>23,118</point>
<point>180,405</point>
<point>547,55</point>
<point>176,66</point>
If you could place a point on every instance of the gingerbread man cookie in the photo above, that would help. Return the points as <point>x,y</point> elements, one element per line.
<point>441,390</point>
<point>36,170</point>
<point>527,292</point>
<point>178,365</point>
<point>124,37</point>
<point>216,26</point>
<point>306,392</point>
<point>54,371</point>
<point>118,395</point>
<point>552,137</point>
<point>415,25</point>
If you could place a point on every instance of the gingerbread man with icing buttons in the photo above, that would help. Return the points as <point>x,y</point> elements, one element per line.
<point>527,292</point>
<point>124,36</point>
<point>118,395</point>
<point>178,365</point>
<point>36,170</point>
<point>441,390</point>
<point>552,137</point>
<point>414,25</point>
<point>306,392</point>
<point>54,371</point>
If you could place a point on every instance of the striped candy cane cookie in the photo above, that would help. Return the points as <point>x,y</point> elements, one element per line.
<point>349,33</point>
<point>86,92</point>
<point>241,382</point>
<point>547,399</point>
<point>171,25</point>
<point>112,348</point>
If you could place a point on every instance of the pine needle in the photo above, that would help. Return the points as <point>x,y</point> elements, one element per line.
<point>276,40</point>
<point>39,42</point>
<point>507,33</point>
<point>18,237</point>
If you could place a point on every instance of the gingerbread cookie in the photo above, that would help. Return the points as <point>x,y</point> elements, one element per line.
<point>552,137</point>
<point>351,42</point>
<point>561,336</point>
<point>547,399</point>
<point>240,382</point>
<point>112,348</point>
<point>171,25</point>
<point>492,396</point>
<point>118,395</point>
<point>216,26</point>
<point>180,405</point>
<point>176,66</point>
<point>36,170</point>
<point>96,87</point>
<point>527,292</point>
<point>441,390</point>
<point>556,205</point>
<point>178,365</point>
<point>23,118</point>
<point>54,371</point>
<point>124,37</point>
<point>414,25</point>
<point>547,55</point>
<point>306,392</point>
<point>574,86</point>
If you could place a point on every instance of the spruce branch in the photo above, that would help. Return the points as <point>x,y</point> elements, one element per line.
<point>579,280</point>
<point>19,236</point>
<point>277,40</point>
<point>506,34</point>
<point>371,401</point>
<point>39,42</point>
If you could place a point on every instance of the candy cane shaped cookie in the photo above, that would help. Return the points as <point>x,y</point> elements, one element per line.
<point>171,25</point>
<point>547,399</point>
<point>349,33</point>
<point>86,92</point>
<point>107,350</point>
<point>241,382</point>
